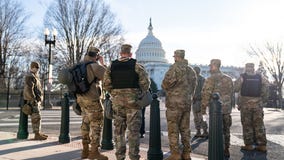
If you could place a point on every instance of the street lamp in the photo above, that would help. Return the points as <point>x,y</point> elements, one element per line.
<point>49,41</point>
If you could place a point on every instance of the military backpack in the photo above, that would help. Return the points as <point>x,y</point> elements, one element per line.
<point>76,78</point>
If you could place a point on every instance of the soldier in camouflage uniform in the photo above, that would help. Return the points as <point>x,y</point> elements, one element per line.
<point>124,80</point>
<point>33,97</point>
<point>253,92</point>
<point>220,83</point>
<point>179,84</point>
<point>196,106</point>
<point>92,110</point>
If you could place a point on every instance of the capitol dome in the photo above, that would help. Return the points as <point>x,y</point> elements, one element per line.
<point>150,49</point>
<point>151,55</point>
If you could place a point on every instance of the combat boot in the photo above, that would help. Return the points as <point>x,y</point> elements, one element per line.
<point>186,154</point>
<point>85,151</point>
<point>205,134</point>
<point>95,154</point>
<point>247,147</point>
<point>198,134</point>
<point>261,148</point>
<point>175,155</point>
<point>40,136</point>
<point>226,152</point>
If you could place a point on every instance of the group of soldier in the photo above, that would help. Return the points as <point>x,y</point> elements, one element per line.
<point>185,86</point>
<point>125,79</point>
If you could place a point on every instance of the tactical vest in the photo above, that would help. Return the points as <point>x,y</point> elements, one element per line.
<point>123,74</point>
<point>251,86</point>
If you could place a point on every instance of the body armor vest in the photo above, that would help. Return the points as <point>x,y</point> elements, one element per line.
<point>123,74</point>
<point>251,86</point>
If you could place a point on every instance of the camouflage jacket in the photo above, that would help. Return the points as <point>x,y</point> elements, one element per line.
<point>144,81</point>
<point>244,101</point>
<point>179,84</point>
<point>220,83</point>
<point>32,88</point>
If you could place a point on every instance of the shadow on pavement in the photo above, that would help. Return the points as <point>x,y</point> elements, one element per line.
<point>27,147</point>
<point>7,141</point>
<point>195,142</point>
<point>72,155</point>
<point>253,155</point>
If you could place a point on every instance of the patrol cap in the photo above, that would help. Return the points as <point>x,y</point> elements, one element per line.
<point>93,51</point>
<point>215,62</point>
<point>249,65</point>
<point>179,53</point>
<point>35,65</point>
<point>126,48</point>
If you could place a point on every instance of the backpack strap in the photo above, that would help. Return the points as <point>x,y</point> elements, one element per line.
<point>95,78</point>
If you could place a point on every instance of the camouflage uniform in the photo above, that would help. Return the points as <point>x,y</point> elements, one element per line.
<point>252,111</point>
<point>32,96</point>
<point>196,106</point>
<point>179,84</point>
<point>223,84</point>
<point>90,103</point>
<point>127,114</point>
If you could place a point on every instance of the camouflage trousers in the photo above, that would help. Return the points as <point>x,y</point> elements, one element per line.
<point>92,121</point>
<point>253,126</point>
<point>178,122</point>
<point>131,119</point>
<point>198,121</point>
<point>36,116</point>
<point>227,123</point>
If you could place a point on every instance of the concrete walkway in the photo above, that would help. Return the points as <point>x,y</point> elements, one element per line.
<point>12,148</point>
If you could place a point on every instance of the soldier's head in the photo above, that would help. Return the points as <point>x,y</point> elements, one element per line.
<point>93,53</point>
<point>215,64</point>
<point>249,68</point>
<point>179,55</point>
<point>197,70</point>
<point>34,66</point>
<point>125,50</point>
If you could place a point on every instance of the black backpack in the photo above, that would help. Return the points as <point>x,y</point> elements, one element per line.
<point>76,78</point>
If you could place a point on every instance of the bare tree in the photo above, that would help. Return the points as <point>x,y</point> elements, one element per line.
<point>81,24</point>
<point>272,61</point>
<point>12,20</point>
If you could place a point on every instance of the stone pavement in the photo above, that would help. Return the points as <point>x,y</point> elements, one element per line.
<point>50,149</point>
<point>11,148</point>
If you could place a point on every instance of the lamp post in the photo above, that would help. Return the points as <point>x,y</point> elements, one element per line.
<point>49,41</point>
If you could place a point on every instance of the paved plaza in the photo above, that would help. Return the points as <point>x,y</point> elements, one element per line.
<point>11,148</point>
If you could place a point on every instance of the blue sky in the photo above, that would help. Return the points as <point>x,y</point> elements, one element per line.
<point>205,29</point>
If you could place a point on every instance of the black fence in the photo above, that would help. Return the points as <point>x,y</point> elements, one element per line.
<point>11,94</point>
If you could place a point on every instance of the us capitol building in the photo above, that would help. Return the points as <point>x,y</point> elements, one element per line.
<point>151,55</point>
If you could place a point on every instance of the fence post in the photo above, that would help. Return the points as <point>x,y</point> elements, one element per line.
<point>65,116</point>
<point>107,142</point>
<point>155,151</point>
<point>23,126</point>
<point>215,145</point>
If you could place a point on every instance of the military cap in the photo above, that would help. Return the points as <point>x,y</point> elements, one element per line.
<point>215,62</point>
<point>35,65</point>
<point>93,51</point>
<point>126,48</point>
<point>179,53</point>
<point>249,65</point>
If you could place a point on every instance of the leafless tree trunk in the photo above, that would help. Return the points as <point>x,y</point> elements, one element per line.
<point>12,19</point>
<point>273,62</point>
<point>81,24</point>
